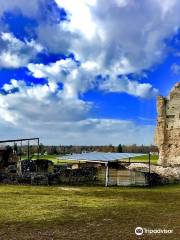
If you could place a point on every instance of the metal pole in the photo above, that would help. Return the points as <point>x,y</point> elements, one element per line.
<point>107,174</point>
<point>14,147</point>
<point>21,151</point>
<point>149,170</point>
<point>28,149</point>
<point>117,173</point>
<point>38,148</point>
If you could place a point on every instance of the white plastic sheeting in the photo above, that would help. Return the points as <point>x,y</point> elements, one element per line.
<point>99,156</point>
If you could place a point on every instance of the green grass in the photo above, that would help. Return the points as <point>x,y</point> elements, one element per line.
<point>53,158</point>
<point>32,212</point>
<point>145,158</point>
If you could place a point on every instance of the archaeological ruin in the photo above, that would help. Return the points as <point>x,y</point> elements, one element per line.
<point>167,135</point>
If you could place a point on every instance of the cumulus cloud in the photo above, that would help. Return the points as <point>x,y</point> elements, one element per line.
<point>40,110</point>
<point>84,132</point>
<point>123,84</point>
<point>53,71</point>
<point>15,53</point>
<point>76,79</point>
<point>106,36</point>
<point>41,103</point>
<point>79,79</point>
<point>123,36</point>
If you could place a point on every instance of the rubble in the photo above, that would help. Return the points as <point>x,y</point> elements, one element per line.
<point>8,169</point>
<point>170,174</point>
<point>35,172</point>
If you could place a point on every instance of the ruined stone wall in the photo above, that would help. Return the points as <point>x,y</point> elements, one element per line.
<point>167,135</point>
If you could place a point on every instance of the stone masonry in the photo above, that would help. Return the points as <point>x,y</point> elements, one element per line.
<point>167,135</point>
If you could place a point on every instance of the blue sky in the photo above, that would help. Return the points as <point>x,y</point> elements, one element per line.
<point>74,72</point>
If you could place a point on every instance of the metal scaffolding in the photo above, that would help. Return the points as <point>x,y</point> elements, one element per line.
<point>21,140</point>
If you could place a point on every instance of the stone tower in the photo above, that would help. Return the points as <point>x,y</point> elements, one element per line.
<point>167,135</point>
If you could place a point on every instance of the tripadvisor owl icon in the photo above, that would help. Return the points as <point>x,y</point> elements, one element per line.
<point>139,231</point>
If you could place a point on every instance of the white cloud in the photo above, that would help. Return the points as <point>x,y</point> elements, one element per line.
<point>41,103</point>
<point>75,79</point>
<point>83,22</point>
<point>15,53</point>
<point>120,38</point>
<point>14,84</point>
<point>41,110</point>
<point>53,71</point>
<point>79,79</point>
<point>84,132</point>
<point>101,131</point>
<point>123,84</point>
<point>111,38</point>
<point>125,36</point>
<point>167,6</point>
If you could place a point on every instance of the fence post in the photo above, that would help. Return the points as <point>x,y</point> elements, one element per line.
<point>107,174</point>
<point>28,151</point>
<point>38,149</point>
<point>149,175</point>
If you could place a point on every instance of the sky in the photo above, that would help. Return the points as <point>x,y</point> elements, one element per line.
<point>86,72</point>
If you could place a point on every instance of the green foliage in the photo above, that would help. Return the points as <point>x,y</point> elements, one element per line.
<point>15,147</point>
<point>119,148</point>
<point>41,148</point>
<point>145,158</point>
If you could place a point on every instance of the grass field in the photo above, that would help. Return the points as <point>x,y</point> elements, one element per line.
<point>145,158</point>
<point>48,213</point>
<point>53,158</point>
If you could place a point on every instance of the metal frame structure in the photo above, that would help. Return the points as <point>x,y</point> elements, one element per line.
<point>149,168</point>
<point>21,140</point>
<point>106,164</point>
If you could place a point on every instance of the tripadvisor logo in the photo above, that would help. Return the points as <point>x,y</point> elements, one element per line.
<point>140,231</point>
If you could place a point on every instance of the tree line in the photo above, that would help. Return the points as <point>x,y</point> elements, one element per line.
<point>62,149</point>
<point>69,149</point>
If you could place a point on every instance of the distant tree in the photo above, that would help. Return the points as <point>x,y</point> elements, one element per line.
<point>15,147</point>
<point>41,148</point>
<point>54,150</point>
<point>6,155</point>
<point>119,148</point>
